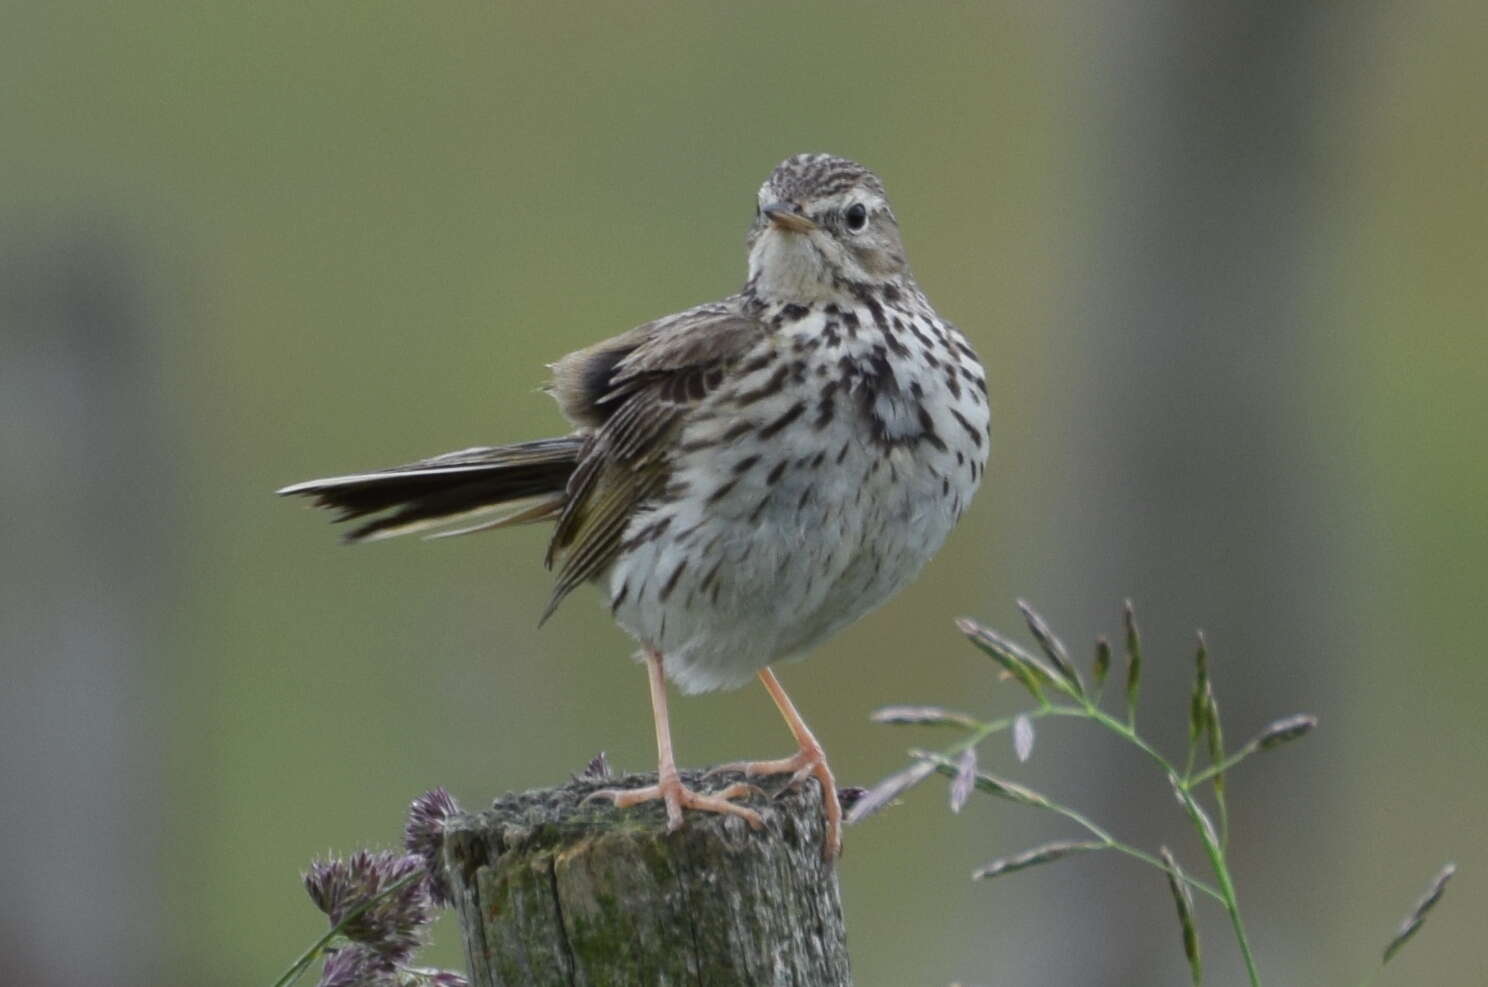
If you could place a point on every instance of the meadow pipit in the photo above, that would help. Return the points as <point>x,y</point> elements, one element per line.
<point>744,478</point>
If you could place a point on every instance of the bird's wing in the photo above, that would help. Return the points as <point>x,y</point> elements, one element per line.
<point>589,384</point>
<point>634,391</point>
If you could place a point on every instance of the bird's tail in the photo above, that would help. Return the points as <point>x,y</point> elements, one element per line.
<point>519,483</point>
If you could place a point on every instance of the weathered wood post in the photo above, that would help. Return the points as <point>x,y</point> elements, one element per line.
<point>554,892</point>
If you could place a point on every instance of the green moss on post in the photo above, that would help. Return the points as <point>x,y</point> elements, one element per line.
<point>554,892</point>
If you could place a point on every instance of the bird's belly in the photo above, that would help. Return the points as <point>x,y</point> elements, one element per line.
<point>786,556</point>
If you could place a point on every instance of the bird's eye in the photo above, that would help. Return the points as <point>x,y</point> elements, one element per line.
<point>857,218</point>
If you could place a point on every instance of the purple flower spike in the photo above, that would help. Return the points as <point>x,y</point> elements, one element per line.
<point>392,928</point>
<point>423,836</point>
<point>356,966</point>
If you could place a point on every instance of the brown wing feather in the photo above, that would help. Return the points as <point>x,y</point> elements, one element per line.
<point>635,392</point>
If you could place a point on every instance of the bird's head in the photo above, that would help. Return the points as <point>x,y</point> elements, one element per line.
<point>823,231</point>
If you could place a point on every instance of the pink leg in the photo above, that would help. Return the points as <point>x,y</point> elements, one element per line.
<point>669,787</point>
<point>809,761</point>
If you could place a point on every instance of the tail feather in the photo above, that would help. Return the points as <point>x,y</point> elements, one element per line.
<point>527,480</point>
<point>543,510</point>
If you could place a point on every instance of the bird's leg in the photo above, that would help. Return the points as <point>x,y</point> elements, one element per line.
<point>809,761</point>
<point>669,787</point>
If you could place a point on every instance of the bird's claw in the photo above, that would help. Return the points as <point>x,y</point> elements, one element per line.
<point>677,797</point>
<point>805,763</point>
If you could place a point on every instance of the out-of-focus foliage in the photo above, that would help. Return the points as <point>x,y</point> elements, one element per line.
<point>1224,263</point>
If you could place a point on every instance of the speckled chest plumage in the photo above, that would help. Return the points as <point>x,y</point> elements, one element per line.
<point>807,489</point>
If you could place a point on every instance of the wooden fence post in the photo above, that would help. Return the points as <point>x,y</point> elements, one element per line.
<point>554,892</point>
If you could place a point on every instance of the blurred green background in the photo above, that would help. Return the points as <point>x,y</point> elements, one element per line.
<point>1225,263</point>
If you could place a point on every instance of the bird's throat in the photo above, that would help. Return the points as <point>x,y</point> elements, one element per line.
<point>790,267</point>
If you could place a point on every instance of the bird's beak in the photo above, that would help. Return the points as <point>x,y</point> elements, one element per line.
<point>786,216</point>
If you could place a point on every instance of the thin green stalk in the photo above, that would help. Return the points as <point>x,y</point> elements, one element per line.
<point>1224,818</point>
<point>946,761</point>
<point>298,968</point>
<point>1207,833</point>
<point>1105,837</point>
<point>1222,875</point>
<point>1119,727</point>
<point>1086,708</point>
<point>989,727</point>
<point>1226,892</point>
<point>1199,777</point>
<point>1054,672</point>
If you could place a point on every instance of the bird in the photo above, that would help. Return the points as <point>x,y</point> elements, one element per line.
<point>741,479</point>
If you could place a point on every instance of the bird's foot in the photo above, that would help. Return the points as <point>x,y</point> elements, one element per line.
<point>808,762</point>
<point>678,797</point>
